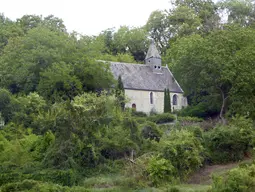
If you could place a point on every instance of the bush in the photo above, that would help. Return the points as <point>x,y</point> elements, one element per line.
<point>37,186</point>
<point>230,143</point>
<point>62,177</point>
<point>138,113</point>
<point>159,170</point>
<point>183,150</point>
<point>188,119</point>
<point>150,131</point>
<point>241,179</point>
<point>201,110</point>
<point>162,118</point>
<point>141,120</point>
<point>19,186</point>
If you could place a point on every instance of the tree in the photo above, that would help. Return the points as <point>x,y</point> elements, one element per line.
<point>130,40</point>
<point>240,12</point>
<point>158,28</point>
<point>120,93</point>
<point>8,29</point>
<point>210,67</point>
<point>167,101</point>
<point>206,10</point>
<point>29,57</point>
<point>59,82</point>
<point>184,21</point>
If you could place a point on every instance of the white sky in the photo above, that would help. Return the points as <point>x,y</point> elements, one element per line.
<point>88,17</point>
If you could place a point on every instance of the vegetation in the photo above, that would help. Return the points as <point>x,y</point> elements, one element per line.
<point>167,101</point>
<point>63,121</point>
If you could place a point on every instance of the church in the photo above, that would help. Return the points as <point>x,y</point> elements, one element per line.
<point>144,84</point>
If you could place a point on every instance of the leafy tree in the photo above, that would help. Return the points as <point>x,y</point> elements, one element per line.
<point>240,12</point>
<point>6,105</point>
<point>206,10</point>
<point>184,21</point>
<point>59,82</point>
<point>158,28</point>
<point>210,63</point>
<point>8,29</point>
<point>28,22</point>
<point>130,40</point>
<point>27,56</point>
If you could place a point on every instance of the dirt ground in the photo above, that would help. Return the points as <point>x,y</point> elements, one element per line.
<point>204,175</point>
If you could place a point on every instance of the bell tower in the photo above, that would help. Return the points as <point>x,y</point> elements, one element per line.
<point>153,58</point>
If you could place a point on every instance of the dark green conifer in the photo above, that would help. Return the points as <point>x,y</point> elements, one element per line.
<point>120,93</point>
<point>167,101</point>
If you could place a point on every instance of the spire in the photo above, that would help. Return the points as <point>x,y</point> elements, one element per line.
<point>152,52</point>
<point>153,58</point>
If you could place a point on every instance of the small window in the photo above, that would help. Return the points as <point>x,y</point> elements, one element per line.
<point>149,61</point>
<point>151,97</point>
<point>158,67</point>
<point>155,67</point>
<point>134,106</point>
<point>175,99</point>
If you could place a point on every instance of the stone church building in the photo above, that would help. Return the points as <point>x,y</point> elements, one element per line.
<point>144,84</point>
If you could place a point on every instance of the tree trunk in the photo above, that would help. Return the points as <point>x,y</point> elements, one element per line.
<point>223,105</point>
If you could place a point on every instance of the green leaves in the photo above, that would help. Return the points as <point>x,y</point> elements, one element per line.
<point>216,66</point>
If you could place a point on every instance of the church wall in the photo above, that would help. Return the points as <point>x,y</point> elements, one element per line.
<point>142,100</point>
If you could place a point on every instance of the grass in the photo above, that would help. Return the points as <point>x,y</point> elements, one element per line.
<point>193,188</point>
<point>112,183</point>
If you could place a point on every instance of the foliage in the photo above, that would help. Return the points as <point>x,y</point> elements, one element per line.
<point>138,113</point>
<point>232,142</point>
<point>212,63</point>
<point>167,101</point>
<point>160,170</point>
<point>7,105</point>
<point>240,12</point>
<point>34,186</point>
<point>59,126</point>
<point>120,94</point>
<point>238,179</point>
<point>151,131</point>
<point>162,118</point>
<point>189,119</point>
<point>184,150</point>
<point>200,110</point>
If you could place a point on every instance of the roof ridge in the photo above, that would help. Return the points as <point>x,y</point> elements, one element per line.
<point>139,64</point>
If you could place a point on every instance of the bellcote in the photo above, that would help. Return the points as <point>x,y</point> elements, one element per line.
<point>153,58</point>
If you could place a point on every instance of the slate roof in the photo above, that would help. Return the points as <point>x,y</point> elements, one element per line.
<point>142,77</point>
<point>152,51</point>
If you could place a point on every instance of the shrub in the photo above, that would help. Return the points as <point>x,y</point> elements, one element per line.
<point>140,120</point>
<point>230,143</point>
<point>241,179</point>
<point>183,150</point>
<point>162,118</point>
<point>138,113</point>
<point>150,131</point>
<point>37,186</point>
<point>188,119</point>
<point>159,170</point>
<point>201,110</point>
<point>62,177</point>
<point>19,186</point>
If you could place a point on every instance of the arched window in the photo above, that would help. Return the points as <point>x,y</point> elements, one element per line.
<point>151,97</point>
<point>134,106</point>
<point>175,99</point>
